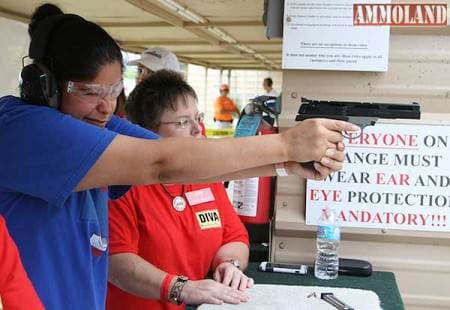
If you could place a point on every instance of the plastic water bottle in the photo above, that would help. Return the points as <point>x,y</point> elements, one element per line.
<point>328,239</point>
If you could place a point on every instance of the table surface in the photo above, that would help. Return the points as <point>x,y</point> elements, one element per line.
<point>382,283</point>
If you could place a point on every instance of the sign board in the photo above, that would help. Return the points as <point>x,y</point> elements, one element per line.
<point>320,35</point>
<point>394,176</point>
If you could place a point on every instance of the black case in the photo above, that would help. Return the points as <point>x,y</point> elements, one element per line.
<point>354,267</point>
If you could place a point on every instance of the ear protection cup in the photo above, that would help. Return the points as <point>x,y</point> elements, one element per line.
<point>39,86</point>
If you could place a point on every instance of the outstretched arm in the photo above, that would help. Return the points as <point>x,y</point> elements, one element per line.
<point>137,161</point>
<point>332,161</point>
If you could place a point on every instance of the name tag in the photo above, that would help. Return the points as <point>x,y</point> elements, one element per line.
<point>208,219</point>
<point>199,196</point>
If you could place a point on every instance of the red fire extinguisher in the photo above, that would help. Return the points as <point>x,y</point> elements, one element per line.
<point>253,197</point>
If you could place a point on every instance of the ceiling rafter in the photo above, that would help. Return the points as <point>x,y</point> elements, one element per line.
<point>153,7</point>
<point>23,18</point>
<point>197,42</point>
<point>150,7</point>
<point>205,35</point>
<point>143,24</point>
<point>199,62</point>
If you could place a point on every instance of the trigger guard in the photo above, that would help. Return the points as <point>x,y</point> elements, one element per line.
<point>347,136</point>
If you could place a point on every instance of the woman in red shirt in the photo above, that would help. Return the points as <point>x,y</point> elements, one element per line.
<point>16,290</point>
<point>163,230</point>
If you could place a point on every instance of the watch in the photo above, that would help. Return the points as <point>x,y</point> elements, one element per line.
<point>177,288</point>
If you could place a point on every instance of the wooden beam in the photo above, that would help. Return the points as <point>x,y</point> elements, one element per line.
<point>20,17</point>
<point>232,61</point>
<point>200,63</point>
<point>151,7</point>
<point>261,42</point>
<point>172,20</point>
<point>148,6</point>
<point>252,67</point>
<point>227,23</point>
<point>165,42</point>
<point>198,42</point>
<point>134,24</point>
<point>157,11</point>
<point>143,24</point>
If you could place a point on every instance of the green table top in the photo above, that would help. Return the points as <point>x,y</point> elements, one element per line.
<point>382,283</point>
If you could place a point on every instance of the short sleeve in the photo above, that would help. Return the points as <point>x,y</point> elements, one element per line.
<point>124,127</point>
<point>45,153</point>
<point>123,225</point>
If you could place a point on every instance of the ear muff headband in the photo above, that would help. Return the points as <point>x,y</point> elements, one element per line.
<point>39,86</point>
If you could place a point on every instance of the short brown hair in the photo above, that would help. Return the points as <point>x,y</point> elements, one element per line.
<point>154,95</point>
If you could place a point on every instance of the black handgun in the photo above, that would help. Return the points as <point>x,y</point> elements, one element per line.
<point>359,113</point>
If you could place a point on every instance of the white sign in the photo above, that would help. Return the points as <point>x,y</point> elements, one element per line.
<point>394,176</point>
<point>320,35</point>
<point>245,197</point>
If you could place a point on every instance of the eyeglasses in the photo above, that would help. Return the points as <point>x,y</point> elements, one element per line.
<point>186,122</point>
<point>143,70</point>
<point>140,70</point>
<point>92,93</point>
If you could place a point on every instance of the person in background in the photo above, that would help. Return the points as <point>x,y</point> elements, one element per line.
<point>16,290</point>
<point>268,89</point>
<point>151,60</point>
<point>154,59</point>
<point>202,231</point>
<point>121,103</point>
<point>63,153</point>
<point>224,109</point>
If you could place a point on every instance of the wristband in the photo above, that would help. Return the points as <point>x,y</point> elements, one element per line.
<point>164,293</point>
<point>281,170</point>
<point>175,291</point>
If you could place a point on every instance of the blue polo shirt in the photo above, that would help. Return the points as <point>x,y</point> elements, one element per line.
<point>62,235</point>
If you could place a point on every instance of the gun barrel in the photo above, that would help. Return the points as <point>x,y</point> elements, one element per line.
<point>342,110</point>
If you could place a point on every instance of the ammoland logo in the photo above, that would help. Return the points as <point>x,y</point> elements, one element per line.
<point>400,14</point>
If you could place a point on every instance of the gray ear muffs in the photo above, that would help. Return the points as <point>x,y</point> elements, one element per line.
<point>39,86</point>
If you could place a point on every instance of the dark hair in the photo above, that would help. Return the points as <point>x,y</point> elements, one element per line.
<point>75,49</point>
<point>154,95</point>
<point>268,81</point>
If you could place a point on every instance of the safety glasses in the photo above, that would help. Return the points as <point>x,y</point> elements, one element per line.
<point>184,123</point>
<point>92,93</point>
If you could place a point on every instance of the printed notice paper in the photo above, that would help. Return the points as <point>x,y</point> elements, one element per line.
<point>320,35</point>
<point>394,176</point>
